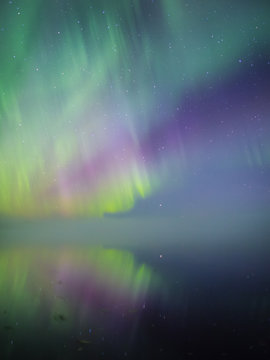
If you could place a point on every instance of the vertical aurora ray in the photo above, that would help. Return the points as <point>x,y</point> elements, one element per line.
<point>61,127</point>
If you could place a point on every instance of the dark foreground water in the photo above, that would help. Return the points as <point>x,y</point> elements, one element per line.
<point>190,300</point>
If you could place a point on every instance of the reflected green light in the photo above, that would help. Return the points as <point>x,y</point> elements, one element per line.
<point>49,281</point>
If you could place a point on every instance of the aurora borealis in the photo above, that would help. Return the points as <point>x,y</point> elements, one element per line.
<point>134,179</point>
<point>101,102</point>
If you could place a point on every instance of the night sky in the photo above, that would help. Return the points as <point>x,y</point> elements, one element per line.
<point>135,179</point>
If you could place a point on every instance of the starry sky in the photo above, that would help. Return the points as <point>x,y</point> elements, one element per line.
<point>134,108</point>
